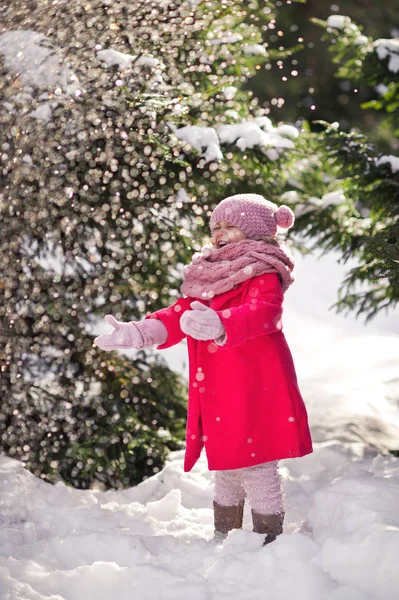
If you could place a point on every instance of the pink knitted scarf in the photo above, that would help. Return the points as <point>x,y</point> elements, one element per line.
<point>214,271</point>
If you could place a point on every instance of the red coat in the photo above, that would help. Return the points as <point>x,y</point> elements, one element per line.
<point>244,404</point>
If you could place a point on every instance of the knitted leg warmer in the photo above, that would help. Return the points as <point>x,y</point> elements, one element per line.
<point>229,488</point>
<point>263,486</point>
<point>228,505</point>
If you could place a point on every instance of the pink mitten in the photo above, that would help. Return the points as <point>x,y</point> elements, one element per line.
<point>138,335</point>
<point>153,331</point>
<point>202,323</point>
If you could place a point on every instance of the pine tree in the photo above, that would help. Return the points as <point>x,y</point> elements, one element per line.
<point>102,183</point>
<point>347,193</point>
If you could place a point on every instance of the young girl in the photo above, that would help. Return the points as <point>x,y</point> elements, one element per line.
<point>244,403</point>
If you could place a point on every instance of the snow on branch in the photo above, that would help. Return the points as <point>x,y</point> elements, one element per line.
<point>388,49</point>
<point>258,132</point>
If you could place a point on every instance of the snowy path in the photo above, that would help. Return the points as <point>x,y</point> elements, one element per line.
<point>151,542</point>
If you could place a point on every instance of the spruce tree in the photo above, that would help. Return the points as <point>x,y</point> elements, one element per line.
<point>348,193</point>
<point>104,177</point>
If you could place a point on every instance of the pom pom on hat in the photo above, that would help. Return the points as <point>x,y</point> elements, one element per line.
<point>253,214</point>
<point>284,216</point>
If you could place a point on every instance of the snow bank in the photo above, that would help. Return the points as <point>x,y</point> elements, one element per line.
<point>152,541</point>
<point>341,536</point>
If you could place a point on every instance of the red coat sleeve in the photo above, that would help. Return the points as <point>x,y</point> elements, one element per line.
<point>259,314</point>
<point>170,317</point>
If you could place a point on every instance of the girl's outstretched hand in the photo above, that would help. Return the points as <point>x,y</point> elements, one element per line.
<point>124,336</point>
<point>202,322</point>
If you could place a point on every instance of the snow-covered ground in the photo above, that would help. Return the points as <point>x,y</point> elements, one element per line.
<point>152,542</point>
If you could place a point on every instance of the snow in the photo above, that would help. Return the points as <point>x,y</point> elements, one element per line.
<point>287,130</point>
<point>312,203</point>
<point>330,199</point>
<point>182,196</point>
<point>248,134</point>
<point>233,114</point>
<point>333,198</point>
<point>33,56</point>
<point>390,159</point>
<point>361,40</point>
<point>381,89</point>
<point>200,138</point>
<point>153,541</point>
<point>338,21</point>
<point>291,196</point>
<point>227,39</point>
<point>37,62</point>
<point>255,49</point>
<point>123,61</point>
<point>388,48</point>
<point>43,112</point>
<point>187,88</point>
<point>229,92</point>
<point>113,57</point>
<point>254,133</point>
<point>146,60</point>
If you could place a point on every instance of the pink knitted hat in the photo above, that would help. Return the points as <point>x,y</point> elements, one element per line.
<point>253,214</point>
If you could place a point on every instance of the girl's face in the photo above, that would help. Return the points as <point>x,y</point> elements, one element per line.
<point>225,233</point>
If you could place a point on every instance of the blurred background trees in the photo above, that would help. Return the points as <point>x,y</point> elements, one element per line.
<point>304,86</point>
<point>116,142</point>
<point>359,214</point>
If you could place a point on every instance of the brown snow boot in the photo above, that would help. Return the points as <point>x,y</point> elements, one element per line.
<point>227,518</point>
<point>272,525</point>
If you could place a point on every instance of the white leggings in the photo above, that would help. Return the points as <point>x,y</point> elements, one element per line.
<point>261,484</point>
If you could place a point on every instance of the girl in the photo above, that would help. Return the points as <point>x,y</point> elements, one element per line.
<point>244,403</point>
